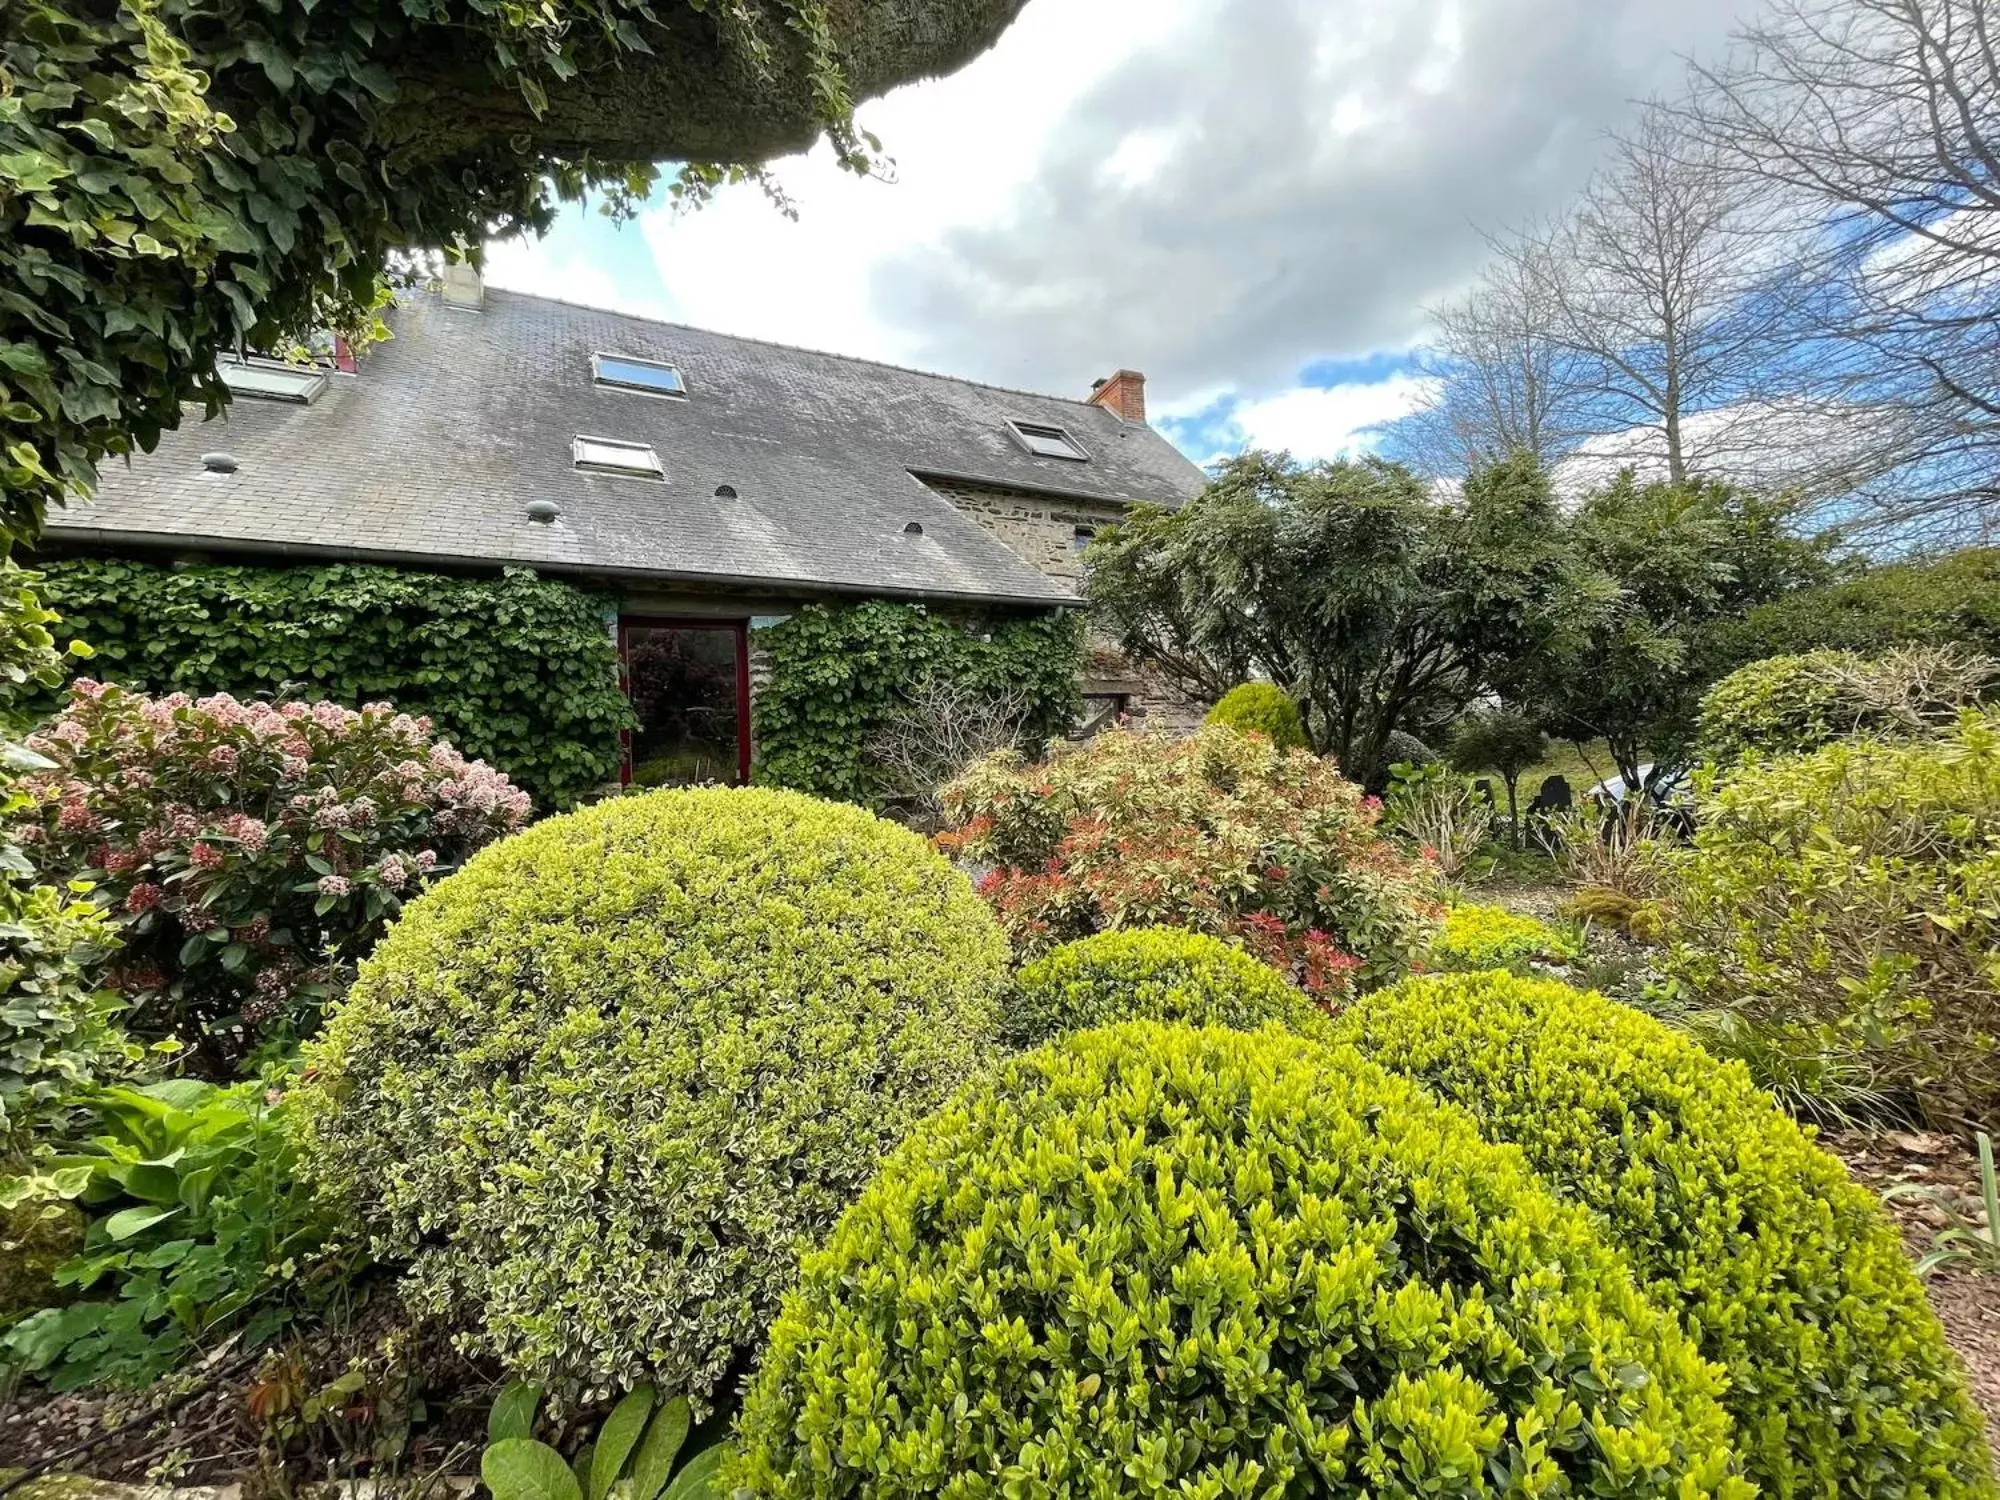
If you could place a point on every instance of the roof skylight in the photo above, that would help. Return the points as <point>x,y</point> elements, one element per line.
<point>1049,442</point>
<point>269,380</point>
<point>625,372</point>
<point>609,456</point>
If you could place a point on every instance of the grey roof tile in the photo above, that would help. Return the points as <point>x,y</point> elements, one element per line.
<point>435,449</point>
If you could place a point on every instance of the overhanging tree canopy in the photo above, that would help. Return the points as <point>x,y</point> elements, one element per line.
<point>182,175</point>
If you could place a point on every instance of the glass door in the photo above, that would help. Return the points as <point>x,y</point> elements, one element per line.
<point>689,683</point>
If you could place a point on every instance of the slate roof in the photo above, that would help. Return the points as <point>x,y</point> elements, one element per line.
<point>432,453</point>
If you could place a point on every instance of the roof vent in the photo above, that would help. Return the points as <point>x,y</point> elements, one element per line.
<point>219,463</point>
<point>915,528</point>
<point>725,492</point>
<point>543,512</point>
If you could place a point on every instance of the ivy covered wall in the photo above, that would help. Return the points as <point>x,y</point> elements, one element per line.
<point>519,670</point>
<point>835,675</point>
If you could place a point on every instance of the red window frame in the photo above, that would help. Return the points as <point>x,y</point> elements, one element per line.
<point>740,629</point>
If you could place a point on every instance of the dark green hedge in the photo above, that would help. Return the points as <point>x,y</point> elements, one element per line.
<point>836,675</point>
<point>518,670</point>
<point>1947,601</point>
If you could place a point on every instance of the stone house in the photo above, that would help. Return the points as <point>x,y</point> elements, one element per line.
<point>708,483</point>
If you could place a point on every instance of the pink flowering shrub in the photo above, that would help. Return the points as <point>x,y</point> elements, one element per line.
<point>252,851</point>
<point>1218,833</point>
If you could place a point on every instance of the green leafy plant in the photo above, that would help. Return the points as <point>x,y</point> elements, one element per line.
<point>1952,600</point>
<point>632,1456</point>
<point>1491,937</point>
<point>1215,833</point>
<point>1150,974</point>
<point>58,1024</point>
<point>1965,1242</point>
<point>1788,705</point>
<point>252,851</point>
<point>596,1087</point>
<point>199,1227</point>
<point>838,679</point>
<point>1509,744</point>
<point>1790,1276</point>
<point>518,671</point>
<point>1155,1259</point>
<point>1261,708</point>
<point>1854,893</point>
<point>1438,812</point>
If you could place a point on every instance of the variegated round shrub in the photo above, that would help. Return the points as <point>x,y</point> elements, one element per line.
<point>1791,1276</point>
<point>1151,974</point>
<point>1151,1260</point>
<point>597,1087</point>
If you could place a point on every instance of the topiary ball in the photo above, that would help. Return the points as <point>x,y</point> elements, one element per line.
<point>1155,1260</point>
<point>596,1087</point>
<point>1151,974</point>
<point>1841,1382</point>
<point>1261,708</point>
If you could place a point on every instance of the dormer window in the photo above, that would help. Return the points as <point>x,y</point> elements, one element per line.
<point>272,380</point>
<point>595,455</point>
<point>650,377</point>
<point>1048,442</point>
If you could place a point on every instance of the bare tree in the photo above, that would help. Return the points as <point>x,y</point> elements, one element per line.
<point>1502,382</point>
<point>942,728</point>
<point>1668,299</point>
<point>1878,123</point>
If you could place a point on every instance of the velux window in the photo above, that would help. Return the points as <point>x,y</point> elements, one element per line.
<point>609,456</point>
<point>271,380</point>
<point>625,372</point>
<point>1049,442</point>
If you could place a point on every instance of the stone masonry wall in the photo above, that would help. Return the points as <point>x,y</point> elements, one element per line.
<point>1039,529</point>
<point>1042,531</point>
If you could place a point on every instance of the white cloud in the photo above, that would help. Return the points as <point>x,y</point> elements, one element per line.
<point>1334,422</point>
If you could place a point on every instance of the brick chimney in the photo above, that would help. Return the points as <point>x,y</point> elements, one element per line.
<point>463,286</point>
<point>1124,393</point>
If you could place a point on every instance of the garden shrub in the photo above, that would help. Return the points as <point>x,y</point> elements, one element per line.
<point>1216,833</point>
<point>1788,705</point>
<point>1491,937</point>
<point>1155,1260</point>
<point>517,670</point>
<point>1151,974</point>
<point>58,1024</point>
<point>199,1228</point>
<point>1261,708</point>
<point>1841,1382</point>
<point>836,679</point>
<point>1852,897</point>
<point>596,1086</point>
<point>1946,601</point>
<point>252,851</point>
<point>1438,812</point>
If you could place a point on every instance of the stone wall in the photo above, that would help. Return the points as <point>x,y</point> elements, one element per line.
<point>1047,532</point>
<point>1042,530</point>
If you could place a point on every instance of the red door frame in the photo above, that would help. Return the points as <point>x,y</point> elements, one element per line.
<point>741,630</point>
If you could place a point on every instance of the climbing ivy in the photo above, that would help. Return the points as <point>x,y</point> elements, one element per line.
<point>519,671</point>
<point>836,675</point>
<point>177,176</point>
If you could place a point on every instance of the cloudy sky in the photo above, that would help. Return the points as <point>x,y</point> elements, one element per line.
<point>1250,200</point>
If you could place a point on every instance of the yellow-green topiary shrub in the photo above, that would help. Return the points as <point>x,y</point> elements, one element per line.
<point>1261,708</point>
<point>1841,1382</point>
<point>1151,974</point>
<point>597,1086</point>
<point>1491,937</point>
<point>1150,1260</point>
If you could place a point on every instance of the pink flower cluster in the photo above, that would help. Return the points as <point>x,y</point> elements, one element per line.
<point>241,819</point>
